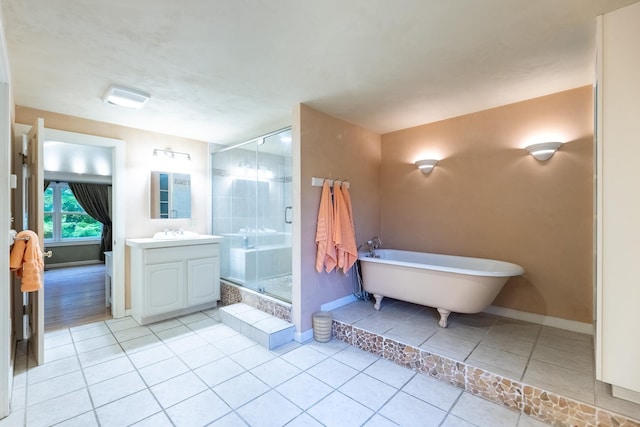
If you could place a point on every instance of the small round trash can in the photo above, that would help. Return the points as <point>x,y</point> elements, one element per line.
<point>322,321</point>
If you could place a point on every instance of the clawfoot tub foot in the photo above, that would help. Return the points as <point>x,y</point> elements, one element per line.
<point>444,315</point>
<point>378,298</point>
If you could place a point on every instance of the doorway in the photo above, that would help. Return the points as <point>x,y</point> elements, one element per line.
<point>115,149</point>
<point>77,194</point>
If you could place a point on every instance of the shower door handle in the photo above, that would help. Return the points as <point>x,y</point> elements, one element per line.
<point>287,210</point>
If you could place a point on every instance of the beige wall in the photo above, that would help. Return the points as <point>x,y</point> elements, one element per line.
<point>139,162</point>
<point>332,148</point>
<point>488,198</point>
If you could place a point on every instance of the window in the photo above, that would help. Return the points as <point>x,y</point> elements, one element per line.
<point>64,218</point>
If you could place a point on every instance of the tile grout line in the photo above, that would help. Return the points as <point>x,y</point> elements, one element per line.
<point>84,377</point>
<point>148,387</point>
<point>535,343</point>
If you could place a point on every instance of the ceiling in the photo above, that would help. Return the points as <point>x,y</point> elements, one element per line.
<point>228,70</point>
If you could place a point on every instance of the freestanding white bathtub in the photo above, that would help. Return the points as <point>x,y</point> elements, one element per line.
<point>446,282</point>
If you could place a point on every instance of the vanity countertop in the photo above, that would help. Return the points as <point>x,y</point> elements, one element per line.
<point>150,242</point>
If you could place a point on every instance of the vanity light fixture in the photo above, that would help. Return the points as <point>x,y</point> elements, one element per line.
<point>172,154</point>
<point>125,97</point>
<point>544,150</point>
<point>426,165</point>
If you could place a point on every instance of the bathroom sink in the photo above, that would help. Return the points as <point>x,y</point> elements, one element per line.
<point>173,239</point>
<point>175,235</point>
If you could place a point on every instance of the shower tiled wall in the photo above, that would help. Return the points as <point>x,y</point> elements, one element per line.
<point>235,204</point>
<point>251,212</point>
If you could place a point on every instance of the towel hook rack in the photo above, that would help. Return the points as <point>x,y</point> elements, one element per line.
<point>13,238</point>
<point>319,182</point>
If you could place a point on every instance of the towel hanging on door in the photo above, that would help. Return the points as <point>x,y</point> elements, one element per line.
<point>26,259</point>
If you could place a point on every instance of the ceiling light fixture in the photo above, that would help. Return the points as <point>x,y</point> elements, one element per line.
<point>125,97</point>
<point>544,150</point>
<point>426,165</point>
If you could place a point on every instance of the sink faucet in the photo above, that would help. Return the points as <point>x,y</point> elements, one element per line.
<point>173,231</point>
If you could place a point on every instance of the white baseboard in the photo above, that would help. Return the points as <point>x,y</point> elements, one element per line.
<point>556,322</point>
<point>625,393</point>
<point>332,305</point>
<point>73,263</point>
<point>303,336</point>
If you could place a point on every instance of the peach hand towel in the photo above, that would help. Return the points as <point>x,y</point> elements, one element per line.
<point>338,205</point>
<point>349,246</point>
<point>26,258</point>
<point>326,252</point>
<point>343,231</point>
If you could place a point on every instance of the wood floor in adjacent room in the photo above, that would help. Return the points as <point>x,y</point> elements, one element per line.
<point>74,296</point>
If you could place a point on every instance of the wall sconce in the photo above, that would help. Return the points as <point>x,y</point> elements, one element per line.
<point>426,165</point>
<point>171,154</point>
<point>544,150</point>
<point>125,97</point>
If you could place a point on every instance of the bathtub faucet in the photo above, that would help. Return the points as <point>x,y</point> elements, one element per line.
<point>375,243</point>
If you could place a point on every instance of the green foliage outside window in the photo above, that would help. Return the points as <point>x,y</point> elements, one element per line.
<point>74,222</point>
<point>48,200</point>
<point>48,226</point>
<point>80,225</point>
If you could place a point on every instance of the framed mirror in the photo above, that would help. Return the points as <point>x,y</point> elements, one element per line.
<point>170,195</point>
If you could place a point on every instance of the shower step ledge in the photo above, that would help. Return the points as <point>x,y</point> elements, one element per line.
<point>263,328</point>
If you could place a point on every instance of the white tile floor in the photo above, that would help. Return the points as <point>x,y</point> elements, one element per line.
<point>195,371</point>
<point>549,358</point>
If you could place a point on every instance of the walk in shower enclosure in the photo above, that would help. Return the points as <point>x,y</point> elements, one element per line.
<point>252,209</point>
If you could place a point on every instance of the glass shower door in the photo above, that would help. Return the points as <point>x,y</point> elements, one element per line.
<point>252,195</point>
<point>273,239</point>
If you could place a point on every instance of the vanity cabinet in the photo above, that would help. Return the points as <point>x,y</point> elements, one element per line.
<point>199,274</point>
<point>162,289</point>
<point>173,277</point>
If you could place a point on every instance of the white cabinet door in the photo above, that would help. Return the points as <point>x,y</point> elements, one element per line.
<point>163,287</point>
<point>618,216</point>
<point>203,280</point>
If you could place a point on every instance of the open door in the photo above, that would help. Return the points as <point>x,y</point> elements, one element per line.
<point>34,215</point>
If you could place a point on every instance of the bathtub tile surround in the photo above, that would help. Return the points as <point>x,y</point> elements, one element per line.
<point>565,397</point>
<point>194,370</point>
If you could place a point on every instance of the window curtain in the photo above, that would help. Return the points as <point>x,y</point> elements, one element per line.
<point>94,199</point>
